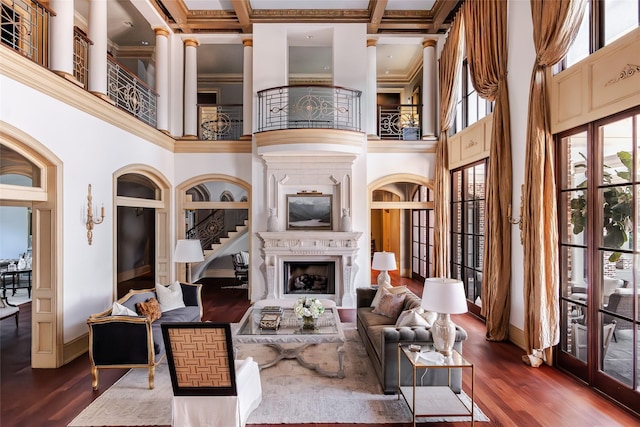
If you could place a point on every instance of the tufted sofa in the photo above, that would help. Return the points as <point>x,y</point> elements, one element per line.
<point>134,341</point>
<point>381,337</point>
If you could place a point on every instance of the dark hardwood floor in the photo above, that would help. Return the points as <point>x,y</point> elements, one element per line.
<point>508,391</point>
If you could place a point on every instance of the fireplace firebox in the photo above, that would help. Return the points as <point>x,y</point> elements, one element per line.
<point>309,277</point>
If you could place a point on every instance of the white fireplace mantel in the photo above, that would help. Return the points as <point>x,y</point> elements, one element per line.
<point>339,246</point>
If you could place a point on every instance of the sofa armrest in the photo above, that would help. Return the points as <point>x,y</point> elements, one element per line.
<point>364,296</point>
<point>191,294</point>
<point>120,340</point>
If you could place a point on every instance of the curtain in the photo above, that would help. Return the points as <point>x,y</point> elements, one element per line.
<point>487,59</point>
<point>449,75</point>
<point>555,24</point>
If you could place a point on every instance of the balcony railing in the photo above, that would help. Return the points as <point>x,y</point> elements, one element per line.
<point>24,27</point>
<point>81,56</point>
<point>400,122</point>
<point>219,122</point>
<point>309,107</point>
<point>130,93</point>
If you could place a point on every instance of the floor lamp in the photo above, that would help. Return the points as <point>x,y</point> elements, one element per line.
<point>188,251</point>
<point>383,262</point>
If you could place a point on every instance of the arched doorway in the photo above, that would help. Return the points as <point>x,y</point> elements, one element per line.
<point>401,210</point>
<point>30,177</point>
<point>214,209</point>
<point>142,244</point>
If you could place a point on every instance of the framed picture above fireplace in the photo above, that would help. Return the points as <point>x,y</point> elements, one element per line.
<point>309,211</point>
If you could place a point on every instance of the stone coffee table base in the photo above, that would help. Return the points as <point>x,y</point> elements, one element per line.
<point>295,353</point>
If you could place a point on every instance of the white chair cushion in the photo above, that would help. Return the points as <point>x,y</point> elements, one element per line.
<point>121,310</point>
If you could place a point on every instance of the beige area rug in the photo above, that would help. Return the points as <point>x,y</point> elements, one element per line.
<point>291,394</point>
<point>21,296</point>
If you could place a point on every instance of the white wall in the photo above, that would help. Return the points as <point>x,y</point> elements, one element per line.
<point>91,151</point>
<point>520,65</point>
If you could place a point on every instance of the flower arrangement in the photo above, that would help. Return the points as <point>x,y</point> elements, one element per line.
<point>308,307</point>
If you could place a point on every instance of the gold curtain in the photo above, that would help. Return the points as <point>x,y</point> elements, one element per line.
<point>487,59</point>
<point>449,74</point>
<point>555,24</point>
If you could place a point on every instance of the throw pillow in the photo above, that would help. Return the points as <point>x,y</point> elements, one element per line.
<point>169,297</point>
<point>390,304</point>
<point>430,317</point>
<point>388,288</point>
<point>412,318</point>
<point>150,308</point>
<point>121,310</point>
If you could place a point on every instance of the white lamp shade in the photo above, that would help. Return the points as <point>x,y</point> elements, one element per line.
<point>188,251</point>
<point>384,261</point>
<point>443,295</point>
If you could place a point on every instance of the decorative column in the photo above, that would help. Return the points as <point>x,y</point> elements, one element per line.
<point>98,50</point>
<point>247,89</point>
<point>62,38</point>
<point>162,79</point>
<point>429,89</point>
<point>371,108</point>
<point>191,89</point>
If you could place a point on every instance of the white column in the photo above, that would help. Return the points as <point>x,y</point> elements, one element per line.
<point>429,89</point>
<point>98,50</point>
<point>62,37</point>
<point>247,88</point>
<point>371,108</point>
<point>190,88</point>
<point>162,79</point>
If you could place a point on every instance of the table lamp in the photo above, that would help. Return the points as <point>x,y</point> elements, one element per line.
<point>445,297</point>
<point>188,251</point>
<point>383,262</point>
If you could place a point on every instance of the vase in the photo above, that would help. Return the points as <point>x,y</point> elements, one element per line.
<point>345,221</point>
<point>272,221</point>
<point>308,322</point>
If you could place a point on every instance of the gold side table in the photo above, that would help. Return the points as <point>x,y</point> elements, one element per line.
<point>433,401</point>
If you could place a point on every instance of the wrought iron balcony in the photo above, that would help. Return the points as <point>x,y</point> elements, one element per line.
<point>309,107</point>
<point>219,122</point>
<point>130,93</point>
<point>24,28</point>
<point>400,122</point>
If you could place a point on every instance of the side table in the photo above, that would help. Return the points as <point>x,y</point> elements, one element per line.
<point>433,401</point>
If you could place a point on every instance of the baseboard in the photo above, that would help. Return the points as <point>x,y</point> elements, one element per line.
<point>516,336</point>
<point>75,348</point>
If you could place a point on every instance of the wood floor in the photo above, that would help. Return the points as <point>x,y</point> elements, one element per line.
<point>509,392</point>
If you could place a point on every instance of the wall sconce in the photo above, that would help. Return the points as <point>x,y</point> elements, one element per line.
<point>90,220</point>
<point>518,221</point>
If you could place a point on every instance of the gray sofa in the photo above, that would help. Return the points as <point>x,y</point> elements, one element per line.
<point>135,341</point>
<point>381,337</point>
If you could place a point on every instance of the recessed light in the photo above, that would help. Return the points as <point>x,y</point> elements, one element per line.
<point>326,67</point>
<point>144,43</point>
<point>389,56</point>
<point>386,71</point>
<point>128,24</point>
<point>309,37</point>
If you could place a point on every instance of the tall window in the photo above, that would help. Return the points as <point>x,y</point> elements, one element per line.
<point>470,107</point>
<point>422,222</point>
<point>467,227</point>
<point>604,22</point>
<point>599,223</point>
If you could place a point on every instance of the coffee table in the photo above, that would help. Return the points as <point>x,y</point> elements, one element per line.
<point>289,340</point>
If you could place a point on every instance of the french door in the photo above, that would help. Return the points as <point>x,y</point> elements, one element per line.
<point>599,219</point>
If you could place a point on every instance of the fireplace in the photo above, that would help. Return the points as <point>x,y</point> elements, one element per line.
<point>321,254</point>
<point>309,277</point>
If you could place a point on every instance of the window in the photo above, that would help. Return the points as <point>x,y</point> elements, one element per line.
<point>470,107</point>
<point>422,223</point>
<point>467,227</point>
<point>604,22</point>
<point>599,225</point>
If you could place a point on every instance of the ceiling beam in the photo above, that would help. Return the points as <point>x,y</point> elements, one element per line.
<point>441,12</point>
<point>243,12</point>
<point>377,12</point>
<point>178,11</point>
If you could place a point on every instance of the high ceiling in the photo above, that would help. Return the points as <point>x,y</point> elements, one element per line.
<point>399,26</point>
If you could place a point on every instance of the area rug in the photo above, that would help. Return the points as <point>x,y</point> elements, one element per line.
<point>291,394</point>
<point>21,296</point>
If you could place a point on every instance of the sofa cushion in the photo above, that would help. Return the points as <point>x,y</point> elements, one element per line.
<point>135,298</point>
<point>150,308</point>
<point>390,304</point>
<point>386,287</point>
<point>170,297</point>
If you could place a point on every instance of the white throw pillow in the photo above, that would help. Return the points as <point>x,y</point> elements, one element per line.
<point>391,289</point>
<point>169,297</point>
<point>430,317</point>
<point>121,310</point>
<point>412,318</point>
